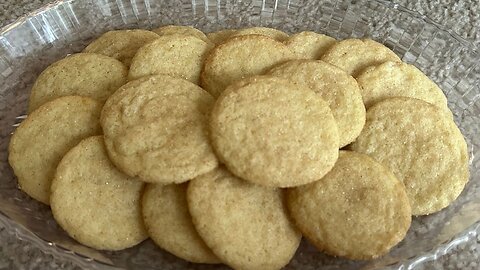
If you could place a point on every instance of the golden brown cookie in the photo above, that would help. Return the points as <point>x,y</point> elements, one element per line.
<point>309,45</point>
<point>241,57</point>
<point>398,79</point>
<point>121,44</point>
<point>422,146</point>
<point>221,36</point>
<point>176,55</point>
<point>274,133</point>
<point>169,224</point>
<point>156,128</point>
<point>83,74</point>
<point>182,30</point>
<point>335,86</point>
<point>354,55</point>
<point>359,210</point>
<point>264,31</point>
<point>245,225</point>
<point>41,140</point>
<point>93,202</point>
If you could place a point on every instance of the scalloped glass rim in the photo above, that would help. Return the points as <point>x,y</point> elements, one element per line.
<point>271,7</point>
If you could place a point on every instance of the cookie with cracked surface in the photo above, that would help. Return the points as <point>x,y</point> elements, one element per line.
<point>354,55</point>
<point>169,224</point>
<point>121,44</point>
<point>156,128</point>
<point>359,210</point>
<point>83,74</point>
<point>274,133</point>
<point>176,55</point>
<point>41,140</point>
<point>398,79</point>
<point>422,146</point>
<point>309,45</point>
<point>244,224</point>
<point>335,86</point>
<point>93,202</point>
<point>240,57</point>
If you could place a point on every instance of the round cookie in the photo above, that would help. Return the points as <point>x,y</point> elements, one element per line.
<point>264,31</point>
<point>182,30</point>
<point>156,128</point>
<point>359,210</point>
<point>354,55</point>
<point>245,225</point>
<point>121,44</point>
<point>41,140</point>
<point>221,36</point>
<point>309,45</point>
<point>274,133</point>
<point>336,87</point>
<point>398,79</point>
<point>169,224</point>
<point>175,55</point>
<point>241,57</point>
<point>83,74</point>
<point>423,148</point>
<point>93,202</point>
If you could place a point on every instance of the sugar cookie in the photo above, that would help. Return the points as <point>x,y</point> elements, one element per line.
<point>182,30</point>
<point>169,224</point>
<point>175,55</point>
<point>41,140</point>
<point>83,74</point>
<point>397,79</point>
<point>423,148</point>
<point>354,55</point>
<point>156,128</point>
<point>274,133</point>
<point>336,87</point>
<point>359,210</point>
<point>264,31</point>
<point>241,57</point>
<point>121,44</point>
<point>309,45</point>
<point>245,225</point>
<point>221,36</point>
<point>93,202</point>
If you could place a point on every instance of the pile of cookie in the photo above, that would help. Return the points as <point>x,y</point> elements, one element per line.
<point>228,147</point>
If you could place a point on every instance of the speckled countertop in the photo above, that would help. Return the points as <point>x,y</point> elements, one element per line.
<point>462,16</point>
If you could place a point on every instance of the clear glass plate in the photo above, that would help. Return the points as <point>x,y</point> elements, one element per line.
<point>33,42</point>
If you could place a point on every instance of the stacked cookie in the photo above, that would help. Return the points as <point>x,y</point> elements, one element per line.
<point>225,147</point>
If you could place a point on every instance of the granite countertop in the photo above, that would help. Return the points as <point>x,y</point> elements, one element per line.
<point>461,16</point>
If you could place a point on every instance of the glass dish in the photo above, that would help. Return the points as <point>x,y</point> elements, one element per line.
<point>38,39</point>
